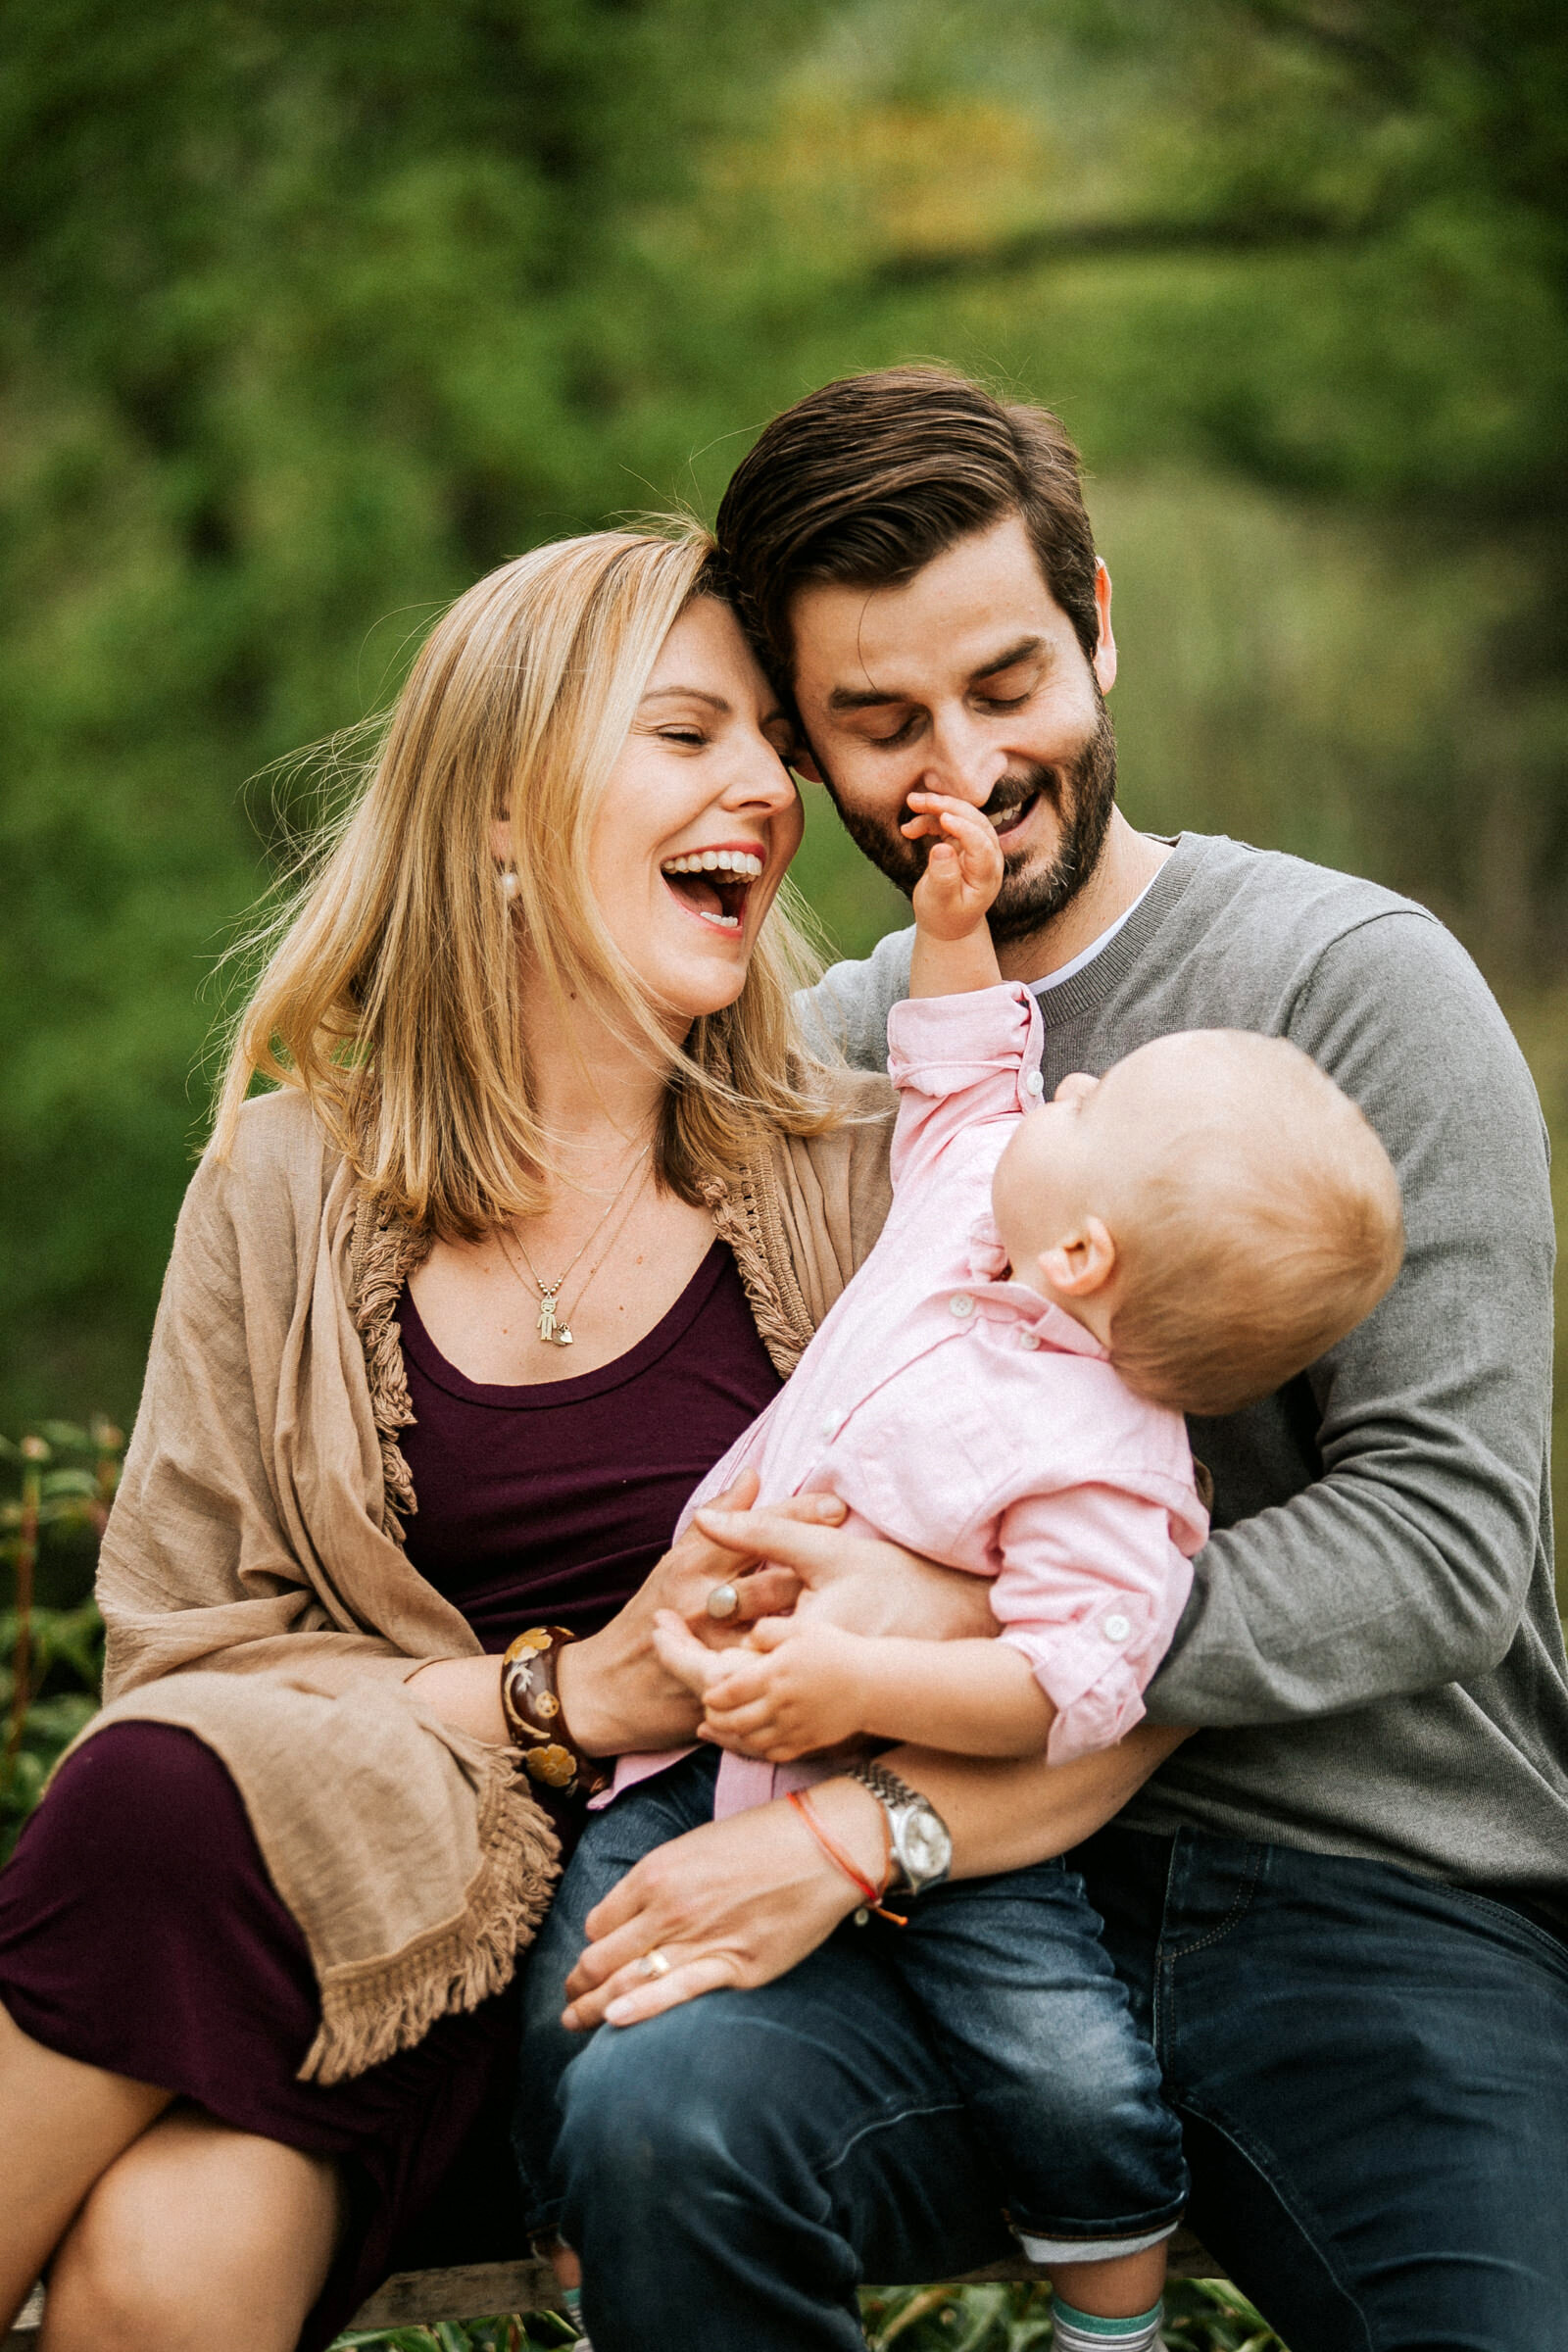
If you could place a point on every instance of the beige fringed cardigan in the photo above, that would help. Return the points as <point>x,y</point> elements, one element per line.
<point>253,1577</point>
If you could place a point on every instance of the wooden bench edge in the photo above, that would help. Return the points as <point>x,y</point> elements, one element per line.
<point>473,2290</point>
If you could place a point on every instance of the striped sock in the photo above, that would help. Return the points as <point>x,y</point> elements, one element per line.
<point>1080,2332</point>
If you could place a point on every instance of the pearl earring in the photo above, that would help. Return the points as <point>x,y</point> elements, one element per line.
<point>508,880</point>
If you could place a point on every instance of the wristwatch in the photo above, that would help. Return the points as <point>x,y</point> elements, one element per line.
<point>919,1837</point>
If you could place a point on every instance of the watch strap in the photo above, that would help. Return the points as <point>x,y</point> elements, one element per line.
<point>896,1797</point>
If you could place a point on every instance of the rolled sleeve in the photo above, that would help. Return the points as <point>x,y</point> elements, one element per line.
<point>956,1061</point>
<point>1091,1588</point>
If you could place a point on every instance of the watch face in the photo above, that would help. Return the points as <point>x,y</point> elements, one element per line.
<point>925,1846</point>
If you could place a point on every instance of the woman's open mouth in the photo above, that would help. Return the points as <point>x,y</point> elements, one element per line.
<point>714,884</point>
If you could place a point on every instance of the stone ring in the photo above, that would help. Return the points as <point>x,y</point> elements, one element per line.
<point>723,1601</point>
<point>653,1963</point>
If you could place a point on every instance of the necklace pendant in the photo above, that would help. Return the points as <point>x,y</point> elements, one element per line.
<point>554,1333</point>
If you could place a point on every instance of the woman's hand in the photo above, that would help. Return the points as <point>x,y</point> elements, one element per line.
<point>863,1583</point>
<point>616,1695</point>
<point>735,1902</point>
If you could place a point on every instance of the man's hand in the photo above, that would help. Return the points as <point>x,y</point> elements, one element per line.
<point>963,871</point>
<point>793,1689</point>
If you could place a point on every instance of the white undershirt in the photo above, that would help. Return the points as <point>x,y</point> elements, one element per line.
<point>1087,955</point>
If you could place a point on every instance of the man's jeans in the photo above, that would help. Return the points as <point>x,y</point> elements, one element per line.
<point>1372,2072</point>
<point>1012,1984</point>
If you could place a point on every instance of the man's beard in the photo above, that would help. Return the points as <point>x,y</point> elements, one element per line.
<point>1083,793</point>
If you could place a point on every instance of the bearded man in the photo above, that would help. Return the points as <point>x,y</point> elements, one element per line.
<point>1340,1906</point>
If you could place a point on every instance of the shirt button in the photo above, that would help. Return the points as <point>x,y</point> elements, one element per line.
<point>1116,1628</point>
<point>830,1422</point>
<point>1034,1084</point>
<point>1028,1339</point>
<point>961,1304</point>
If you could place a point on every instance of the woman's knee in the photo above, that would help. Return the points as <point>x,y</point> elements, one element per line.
<point>194,2222</point>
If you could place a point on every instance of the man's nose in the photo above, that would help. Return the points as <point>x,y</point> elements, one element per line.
<point>965,760</point>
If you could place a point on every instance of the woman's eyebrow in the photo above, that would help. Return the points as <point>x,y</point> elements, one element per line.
<point>690,694</point>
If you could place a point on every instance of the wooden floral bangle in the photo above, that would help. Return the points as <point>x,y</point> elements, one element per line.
<point>531,1704</point>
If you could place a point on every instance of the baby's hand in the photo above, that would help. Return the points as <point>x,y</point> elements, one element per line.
<point>963,872</point>
<point>795,1688</point>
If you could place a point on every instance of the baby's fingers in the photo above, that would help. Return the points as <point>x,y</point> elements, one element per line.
<point>750,1720</point>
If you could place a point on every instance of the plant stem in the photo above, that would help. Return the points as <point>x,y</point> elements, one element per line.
<point>34,1453</point>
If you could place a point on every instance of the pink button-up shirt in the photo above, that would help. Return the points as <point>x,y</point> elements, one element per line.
<point>965,1416</point>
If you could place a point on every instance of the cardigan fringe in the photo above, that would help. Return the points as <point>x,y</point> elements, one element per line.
<point>383,1253</point>
<point>739,1223</point>
<point>371,2011</point>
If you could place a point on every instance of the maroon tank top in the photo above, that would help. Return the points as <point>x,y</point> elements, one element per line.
<point>551,1504</point>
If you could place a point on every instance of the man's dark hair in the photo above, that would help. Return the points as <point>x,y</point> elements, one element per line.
<point>861,483</point>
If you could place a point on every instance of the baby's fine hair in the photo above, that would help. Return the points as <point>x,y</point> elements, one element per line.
<point>1267,1225</point>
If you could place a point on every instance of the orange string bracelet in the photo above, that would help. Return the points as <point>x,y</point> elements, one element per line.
<point>869,1894</point>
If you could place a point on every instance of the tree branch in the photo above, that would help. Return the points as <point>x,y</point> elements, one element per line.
<point>1033,248</point>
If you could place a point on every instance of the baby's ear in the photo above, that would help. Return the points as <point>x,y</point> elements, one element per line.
<point>1081,1264</point>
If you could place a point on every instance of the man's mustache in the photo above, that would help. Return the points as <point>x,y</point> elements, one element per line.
<point>1011,792</point>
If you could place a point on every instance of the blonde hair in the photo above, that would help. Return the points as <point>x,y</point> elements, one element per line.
<point>390,995</point>
<point>1260,1228</point>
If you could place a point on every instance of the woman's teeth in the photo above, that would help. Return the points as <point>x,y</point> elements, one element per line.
<point>714,883</point>
<point>743,862</point>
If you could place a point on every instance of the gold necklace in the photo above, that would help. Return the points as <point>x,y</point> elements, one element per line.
<point>553,1327</point>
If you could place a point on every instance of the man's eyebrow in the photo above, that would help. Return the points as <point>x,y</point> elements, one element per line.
<point>875,698</point>
<point>1015,653</point>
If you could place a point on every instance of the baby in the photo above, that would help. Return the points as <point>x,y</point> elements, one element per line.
<point>1003,1391</point>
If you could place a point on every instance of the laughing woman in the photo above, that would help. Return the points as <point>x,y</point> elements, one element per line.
<point>537,1215</point>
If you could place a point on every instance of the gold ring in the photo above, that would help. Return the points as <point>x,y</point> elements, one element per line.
<point>653,1963</point>
<point>723,1601</point>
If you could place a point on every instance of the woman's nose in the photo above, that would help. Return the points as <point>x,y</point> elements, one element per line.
<point>758,778</point>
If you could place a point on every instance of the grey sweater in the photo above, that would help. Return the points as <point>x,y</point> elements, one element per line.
<point>1372,1633</point>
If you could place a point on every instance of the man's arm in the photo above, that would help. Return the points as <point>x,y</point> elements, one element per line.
<point>1406,1563</point>
<point>846,1013</point>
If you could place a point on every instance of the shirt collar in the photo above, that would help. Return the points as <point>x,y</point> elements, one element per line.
<point>988,1269</point>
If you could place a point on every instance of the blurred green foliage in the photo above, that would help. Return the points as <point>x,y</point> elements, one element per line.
<point>308,316</point>
<point>311,316</point>
<point>51,1656</point>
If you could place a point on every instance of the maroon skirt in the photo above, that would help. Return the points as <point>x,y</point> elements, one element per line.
<point>139,1932</point>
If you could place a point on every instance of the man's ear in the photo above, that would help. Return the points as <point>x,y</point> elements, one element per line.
<point>1081,1264</point>
<point>1104,661</point>
<point>804,764</point>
